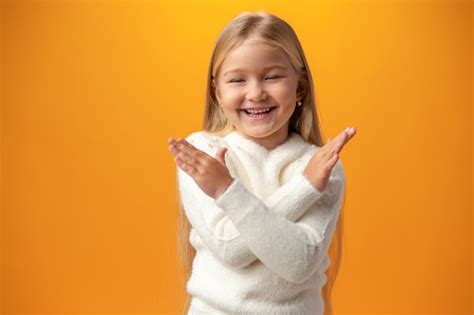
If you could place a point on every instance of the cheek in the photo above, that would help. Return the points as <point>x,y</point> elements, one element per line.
<point>283,91</point>
<point>233,115</point>
<point>231,93</point>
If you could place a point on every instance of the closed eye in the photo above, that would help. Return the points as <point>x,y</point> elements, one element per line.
<point>270,78</point>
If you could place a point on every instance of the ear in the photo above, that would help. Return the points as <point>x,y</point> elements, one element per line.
<point>299,97</point>
<point>300,92</point>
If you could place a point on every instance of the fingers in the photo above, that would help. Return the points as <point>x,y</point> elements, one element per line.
<point>330,151</point>
<point>188,148</point>
<point>183,153</point>
<point>336,145</point>
<point>332,161</point>
<point>180,157</point>
<point>186,145</point>
<point>350,132</point>
<point>342,139</point>
<point>188,168</point>
<point>179,145</point>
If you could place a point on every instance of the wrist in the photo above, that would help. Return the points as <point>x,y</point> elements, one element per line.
<point>223,188</point>
<point>316,184</point>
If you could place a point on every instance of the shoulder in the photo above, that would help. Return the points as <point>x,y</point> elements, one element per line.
<point>205,141</point>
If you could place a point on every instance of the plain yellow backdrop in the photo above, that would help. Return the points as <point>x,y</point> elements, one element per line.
<point>91,91</point>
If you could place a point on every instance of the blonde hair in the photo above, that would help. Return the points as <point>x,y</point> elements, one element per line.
<point>266,28</point>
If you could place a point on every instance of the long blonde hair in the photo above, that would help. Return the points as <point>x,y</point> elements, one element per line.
<point>266,28</point>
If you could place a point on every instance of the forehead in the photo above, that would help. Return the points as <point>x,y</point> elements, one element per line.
<point>255,57</point>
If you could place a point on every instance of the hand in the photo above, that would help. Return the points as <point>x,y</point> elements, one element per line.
<point>210,174</point>
<point>319,167</point>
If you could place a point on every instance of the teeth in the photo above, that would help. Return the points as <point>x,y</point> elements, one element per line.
<point>253,111</point>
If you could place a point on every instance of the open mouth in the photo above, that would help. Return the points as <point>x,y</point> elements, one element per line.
<point>259,114</point>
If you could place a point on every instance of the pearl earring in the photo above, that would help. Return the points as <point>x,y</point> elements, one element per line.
<point>299,103</point>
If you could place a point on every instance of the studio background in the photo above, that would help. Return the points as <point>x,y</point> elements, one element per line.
<point>91,91</point>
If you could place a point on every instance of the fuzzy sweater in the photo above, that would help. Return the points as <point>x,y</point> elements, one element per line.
<point>261,246</point>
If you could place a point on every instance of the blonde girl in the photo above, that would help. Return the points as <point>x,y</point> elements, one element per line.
<point>260,192</point>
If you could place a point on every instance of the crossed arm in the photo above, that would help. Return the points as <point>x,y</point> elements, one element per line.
<point>288,231</point>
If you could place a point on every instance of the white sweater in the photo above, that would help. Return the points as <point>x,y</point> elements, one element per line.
<point>261,246</point>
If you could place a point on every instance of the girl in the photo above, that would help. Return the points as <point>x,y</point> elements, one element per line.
<point>260,192</point>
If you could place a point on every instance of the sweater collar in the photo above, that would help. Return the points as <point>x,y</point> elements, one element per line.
<point>293,143</point>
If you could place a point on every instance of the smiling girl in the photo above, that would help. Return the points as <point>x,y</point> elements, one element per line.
<point>261,193</point>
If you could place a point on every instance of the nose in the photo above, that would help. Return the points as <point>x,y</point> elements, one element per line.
<point>255,92</point>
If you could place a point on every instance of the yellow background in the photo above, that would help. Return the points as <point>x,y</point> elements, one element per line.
<point>91,91</point>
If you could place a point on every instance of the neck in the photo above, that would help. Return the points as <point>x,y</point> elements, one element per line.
<point>270,142</point>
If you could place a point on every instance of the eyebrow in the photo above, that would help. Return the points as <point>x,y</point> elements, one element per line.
<point>266,68</point>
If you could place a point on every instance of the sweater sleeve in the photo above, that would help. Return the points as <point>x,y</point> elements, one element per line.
<point>219,233</point>
<point>293,250</point>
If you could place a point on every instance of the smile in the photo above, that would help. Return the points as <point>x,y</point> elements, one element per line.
<point>258,114</point>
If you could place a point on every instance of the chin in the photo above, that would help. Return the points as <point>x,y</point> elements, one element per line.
<point>256,133</point>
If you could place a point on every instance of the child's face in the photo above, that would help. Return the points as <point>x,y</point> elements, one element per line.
<point>253,86</point>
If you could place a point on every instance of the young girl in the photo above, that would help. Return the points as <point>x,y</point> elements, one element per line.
<point>260,192</point>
